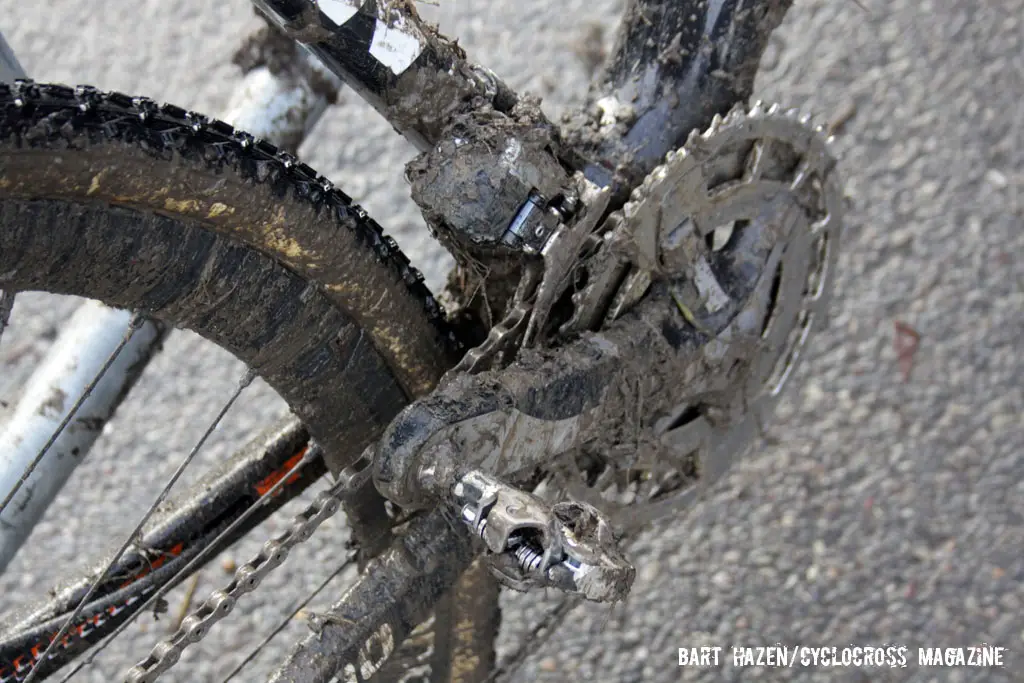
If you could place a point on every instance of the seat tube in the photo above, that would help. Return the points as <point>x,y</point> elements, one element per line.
<point>676,64</point>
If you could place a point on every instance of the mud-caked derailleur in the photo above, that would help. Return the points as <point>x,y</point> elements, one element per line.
<point>569,546</point>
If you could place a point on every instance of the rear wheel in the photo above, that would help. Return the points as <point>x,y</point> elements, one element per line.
<point>187,221</point>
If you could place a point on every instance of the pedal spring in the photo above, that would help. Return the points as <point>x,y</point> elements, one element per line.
<point>529,559</point>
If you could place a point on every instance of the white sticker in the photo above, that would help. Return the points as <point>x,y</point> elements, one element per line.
<point>397,45</point>
<point>339,11</point>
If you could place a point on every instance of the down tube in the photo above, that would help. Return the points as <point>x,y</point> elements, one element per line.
<point>394,60</point>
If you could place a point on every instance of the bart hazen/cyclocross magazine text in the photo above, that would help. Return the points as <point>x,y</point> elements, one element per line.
<point>891,656</point>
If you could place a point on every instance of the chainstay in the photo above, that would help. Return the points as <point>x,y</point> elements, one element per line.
<point>247,578</point>
<point>159,556</point>
<point>98,619</point>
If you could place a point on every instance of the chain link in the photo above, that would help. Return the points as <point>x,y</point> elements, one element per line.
<point>248,577</point>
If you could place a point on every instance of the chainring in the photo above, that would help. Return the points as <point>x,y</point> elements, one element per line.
<point>744,220</point>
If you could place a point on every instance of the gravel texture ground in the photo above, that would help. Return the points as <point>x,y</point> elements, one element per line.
<point>880,509</point>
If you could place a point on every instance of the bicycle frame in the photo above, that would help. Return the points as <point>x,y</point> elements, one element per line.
<point>674,75</point>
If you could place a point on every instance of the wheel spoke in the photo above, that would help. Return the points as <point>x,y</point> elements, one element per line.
<point>133,536</point>
<point>288,619</point>
<point>311,454</point>
<point>134,325</point>
<point>187,525</point>
<point>537,637</point>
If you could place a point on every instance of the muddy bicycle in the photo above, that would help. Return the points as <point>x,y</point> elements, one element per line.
<point>634,288</point>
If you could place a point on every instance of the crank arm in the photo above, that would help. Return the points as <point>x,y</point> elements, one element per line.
<point>608,390</point>
<point>503,422</point>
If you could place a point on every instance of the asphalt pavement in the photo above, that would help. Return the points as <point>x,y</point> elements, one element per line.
<point>886,505</point>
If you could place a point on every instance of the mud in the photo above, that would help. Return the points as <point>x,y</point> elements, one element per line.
<point>470,187</point>
<point>54,403</point>
<point>467,618</point>
<point>480,293</point>
<point>395,592</point>
<point>662,53</point>
<point>441,85</point>
<point>218,203</point>
<point>272,48</point>
<point>416,87</point>
<point>605,391</point>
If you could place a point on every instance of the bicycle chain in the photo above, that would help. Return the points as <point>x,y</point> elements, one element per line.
<point>505,335</point>
<point>542,282</point>
<point>248,577</point>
